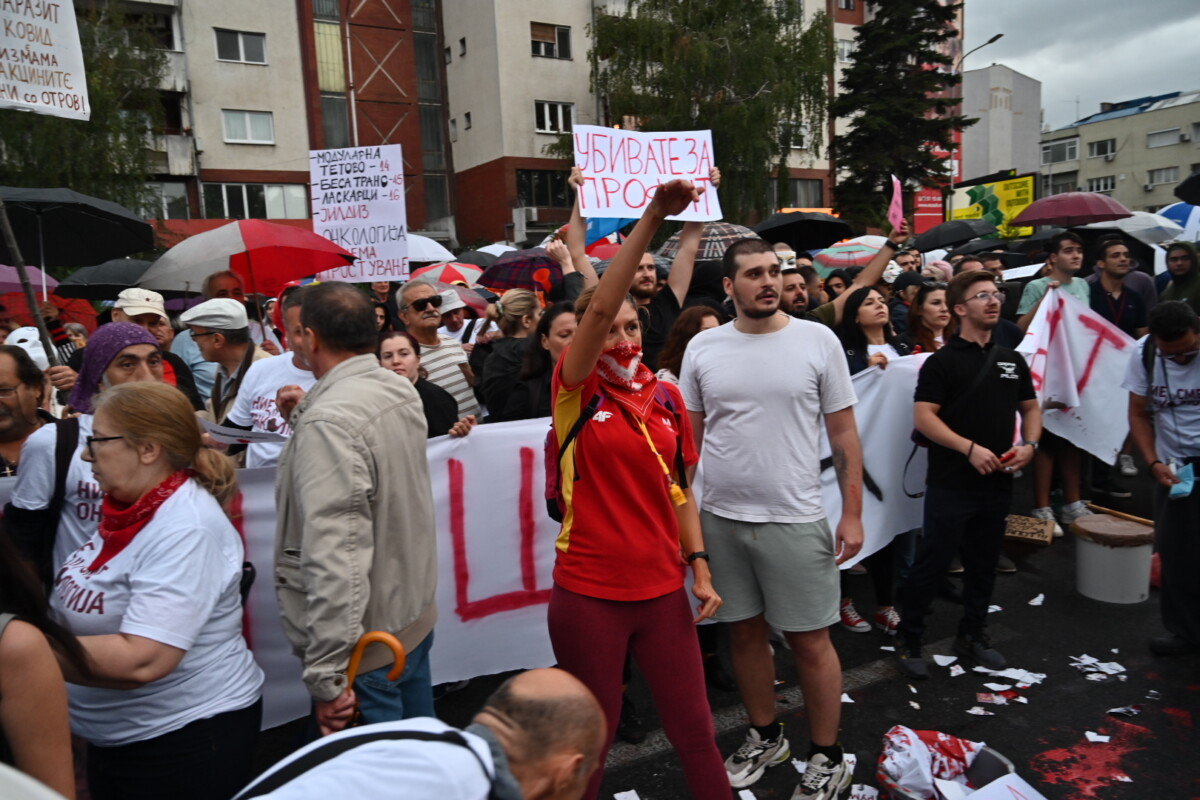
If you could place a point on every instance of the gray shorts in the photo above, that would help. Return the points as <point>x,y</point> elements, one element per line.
<point>785,570</point>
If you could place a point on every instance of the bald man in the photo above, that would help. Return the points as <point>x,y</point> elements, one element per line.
<point>538,737</point>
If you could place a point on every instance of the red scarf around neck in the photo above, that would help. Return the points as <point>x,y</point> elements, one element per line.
<point>120,522</point>
<point>626,379</point>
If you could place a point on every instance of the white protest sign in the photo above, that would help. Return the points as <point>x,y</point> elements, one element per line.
<point>621,170</point>
<point>1008,787</point>
<point>358,203</point>
<point>1077,360</point>
<point>41,62</point>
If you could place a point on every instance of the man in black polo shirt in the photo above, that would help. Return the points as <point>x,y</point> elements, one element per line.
<point>967,394</point>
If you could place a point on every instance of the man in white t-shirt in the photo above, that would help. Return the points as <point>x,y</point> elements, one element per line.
<point>255,407</point>
<point>455,323</point>
<point>442,358</point>
<point>119,352</point>
<point>756,391</point>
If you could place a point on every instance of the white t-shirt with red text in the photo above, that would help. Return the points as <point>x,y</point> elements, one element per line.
<point>255,404</point>
<point>80,517</point>
<point>177,582</point>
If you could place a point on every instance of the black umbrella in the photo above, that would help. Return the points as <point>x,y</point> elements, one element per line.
<point>1189,190</point>
<point>953,233</point>
<point>476,257</point>
<point>1037,240</point>
<point>103,281</point>
<point>68,229</point>
<point>803,230</point>
<point>978,246</point>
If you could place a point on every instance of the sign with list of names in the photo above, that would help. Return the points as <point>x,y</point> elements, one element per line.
<point>358,203</point>
<point>41,62</point>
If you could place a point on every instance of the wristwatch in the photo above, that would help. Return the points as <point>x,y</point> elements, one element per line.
<point>891,244</point>
<point>1034,445</point>
<point>698,554</point>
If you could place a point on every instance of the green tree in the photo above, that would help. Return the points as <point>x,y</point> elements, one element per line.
<point>750,70</point>
<point>106,156</point>
<point>895,96</point>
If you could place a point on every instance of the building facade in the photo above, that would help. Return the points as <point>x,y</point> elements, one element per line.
<point>1007,136</point>
<point>1136,150</point>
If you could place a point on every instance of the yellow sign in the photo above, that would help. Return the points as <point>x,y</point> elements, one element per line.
<point>996,203</point>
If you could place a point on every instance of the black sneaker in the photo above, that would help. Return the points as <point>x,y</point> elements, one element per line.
<point>630,728</point>
<point>1005,565</point>
<point>1112,489</point>
<point>908,657</point>
<point>978,647</point>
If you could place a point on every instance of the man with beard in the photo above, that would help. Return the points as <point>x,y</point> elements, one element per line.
<point>22,389</point>
<point>442,357</point>
<point>793,298</point>
<point>1184,268</point>
<point>774,561</point>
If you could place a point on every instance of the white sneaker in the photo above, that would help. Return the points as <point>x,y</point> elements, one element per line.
<point>1047,515</point>
<point>751,760</point>
<point>823,780</point>
<point>1128,468</point>
<point>1074,511</point>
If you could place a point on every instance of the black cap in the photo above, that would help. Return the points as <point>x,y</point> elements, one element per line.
<point>907,279</point>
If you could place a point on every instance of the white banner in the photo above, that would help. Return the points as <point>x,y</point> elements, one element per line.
<point>41,62</point>
<point>496,541</point>
<point>1078,360</point>
<point>358,203</point>
<point>621,170</point>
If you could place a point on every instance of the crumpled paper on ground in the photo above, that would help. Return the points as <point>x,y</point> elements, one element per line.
<point>912,759</point>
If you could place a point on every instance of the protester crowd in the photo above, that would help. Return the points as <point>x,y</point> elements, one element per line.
<point>121,559</point>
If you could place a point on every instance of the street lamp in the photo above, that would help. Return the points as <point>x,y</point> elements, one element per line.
<point>953,150</point>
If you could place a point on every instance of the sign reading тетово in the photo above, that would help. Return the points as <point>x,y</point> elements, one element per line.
<point>621,170</point>
<point>358,203</point>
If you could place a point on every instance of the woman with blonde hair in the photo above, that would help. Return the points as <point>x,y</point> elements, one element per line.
<point>172,705</point>
<point>517,314</point>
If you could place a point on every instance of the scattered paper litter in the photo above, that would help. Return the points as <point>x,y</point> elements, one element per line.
<point>1122,778</point>
<point>912,688</point>
<point>998,687</point>
<point>1116,651</point>
<point>1092,736</point>
<point>915,704</point>
<point>886,647</point>
<point>1126,711</point>
<point>860,791</point>
<point>988,697</point>
<point>1012,673</point>
<point>994,609</point>
<point>746,794</point>
<point>1020,699</point>
<point>630,795</point>
<point>950,790</point>
<point>1153,695</point>
<point>944,661</point>
<point>956,670</point>
<point>1097,676</point>
<point>846,698</point>
<point>1037,601</point>
<point>800,766</point>
<point>980,712</point>
<point>1091,667</point>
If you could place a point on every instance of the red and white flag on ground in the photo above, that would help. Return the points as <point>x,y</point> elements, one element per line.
<point>1078,361</point>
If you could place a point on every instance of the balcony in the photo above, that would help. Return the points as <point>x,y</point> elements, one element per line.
<point>173,154</point>
<point>175,75</point>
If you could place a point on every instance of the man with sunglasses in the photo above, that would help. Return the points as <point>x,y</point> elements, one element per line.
<point>442,357</point>
<point>1163,379</point>
<point>967,393</point>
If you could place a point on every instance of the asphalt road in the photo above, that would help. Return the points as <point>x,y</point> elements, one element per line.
<point>1155,754</point>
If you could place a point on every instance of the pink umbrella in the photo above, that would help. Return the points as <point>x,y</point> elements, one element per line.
<point>11,282</point>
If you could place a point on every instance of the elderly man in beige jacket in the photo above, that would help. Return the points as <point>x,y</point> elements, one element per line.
<point>355,544</point>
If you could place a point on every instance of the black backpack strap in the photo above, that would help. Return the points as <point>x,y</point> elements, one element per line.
<point>35,531</point>
<point>64,452</point>
<point>588,411</point>
<point>332,749</point>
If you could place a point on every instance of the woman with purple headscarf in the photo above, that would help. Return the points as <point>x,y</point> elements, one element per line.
<point>47,528</point>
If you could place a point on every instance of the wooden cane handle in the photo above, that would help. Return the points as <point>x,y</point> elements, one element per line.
<point>1120,514</point>
<point>373,637</point>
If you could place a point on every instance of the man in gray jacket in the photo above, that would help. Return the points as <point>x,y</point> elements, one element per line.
<point>355,545</point>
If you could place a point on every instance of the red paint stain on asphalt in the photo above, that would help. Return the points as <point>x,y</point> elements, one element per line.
<point>1089,767</point>
<point>1181,716</point>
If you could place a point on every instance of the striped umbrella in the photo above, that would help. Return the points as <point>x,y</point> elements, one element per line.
<point>849,254</point>
<point>449,272</point>
<point>1185,215</point>
<point>716,237</point>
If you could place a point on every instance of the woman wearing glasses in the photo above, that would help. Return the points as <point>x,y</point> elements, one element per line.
<point>171,707</point>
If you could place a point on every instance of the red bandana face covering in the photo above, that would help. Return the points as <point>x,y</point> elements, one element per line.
<point>626,379</point>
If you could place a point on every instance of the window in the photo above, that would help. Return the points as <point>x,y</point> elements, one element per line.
<point>1065,150</point>
<point>467,121</point>
<point>249,127</point>
<point>1058,184</point>
<point>799,135</point>
<point>462,46</point>
<point>845,51</point>
<point>802,193</point>
<point>429,73</point>
<point>454,130</point>
<point>552,117</point>
<point>1104,185</point>
<point>168,201</point>
<point>437,196</point>
<point>446,55</point>
<point>256,201</point>
<point>160,25</point>
<point>1164,175</point>
<point>1163,138</point>
<point>334,120</point>
<point>550,41</point>
<point>249,48</point>
<point>1104,147</point>
<point>326,10</point>
<point>546,188</point>
<point>433,147</point>
<point>846,5</point>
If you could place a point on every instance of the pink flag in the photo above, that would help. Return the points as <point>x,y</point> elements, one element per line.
<point>896,210</point>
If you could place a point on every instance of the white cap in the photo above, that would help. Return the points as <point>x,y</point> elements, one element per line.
<point>134,301</point>
<point>222,314</point>
<point>451,301</point>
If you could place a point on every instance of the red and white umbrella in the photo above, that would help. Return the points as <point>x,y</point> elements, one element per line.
<point>450,272</point>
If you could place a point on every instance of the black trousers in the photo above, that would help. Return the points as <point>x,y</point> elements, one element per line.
<point>967,523</point>
<point>209,759</point>
<point>1177,537</point>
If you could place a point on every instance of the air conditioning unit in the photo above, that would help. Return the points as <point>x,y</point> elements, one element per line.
<point>1109,156</point>
<point>1185,137</point>
<point>1149,187</point>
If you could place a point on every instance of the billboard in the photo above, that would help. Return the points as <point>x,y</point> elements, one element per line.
<point>996,202</point>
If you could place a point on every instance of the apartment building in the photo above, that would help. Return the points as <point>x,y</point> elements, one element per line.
<point>1136,150</point>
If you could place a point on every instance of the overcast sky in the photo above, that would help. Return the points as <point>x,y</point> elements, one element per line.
<point>1096,50</point>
